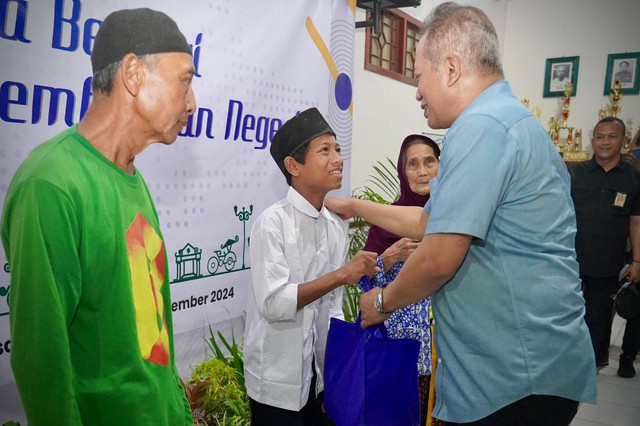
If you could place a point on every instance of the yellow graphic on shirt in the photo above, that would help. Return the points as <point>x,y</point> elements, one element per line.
<point>146,262</point>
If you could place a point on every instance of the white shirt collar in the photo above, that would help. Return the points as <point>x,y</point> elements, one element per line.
<point>301,204</point>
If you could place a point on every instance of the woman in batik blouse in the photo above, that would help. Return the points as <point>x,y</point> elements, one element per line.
<point>418,163</point>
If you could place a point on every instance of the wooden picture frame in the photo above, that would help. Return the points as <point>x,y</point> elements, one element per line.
<point>626,68</point>
<point>559,72</point>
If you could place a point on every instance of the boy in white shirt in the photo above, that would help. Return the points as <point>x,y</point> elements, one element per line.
<point>299,253</point>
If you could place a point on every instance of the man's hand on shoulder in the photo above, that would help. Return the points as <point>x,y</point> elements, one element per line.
<point>339,206</point>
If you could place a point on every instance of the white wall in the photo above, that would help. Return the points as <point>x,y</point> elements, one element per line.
<point>385,110</point>
<point>591,29</point>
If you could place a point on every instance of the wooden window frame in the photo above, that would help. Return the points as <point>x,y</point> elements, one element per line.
<point>400,76</point>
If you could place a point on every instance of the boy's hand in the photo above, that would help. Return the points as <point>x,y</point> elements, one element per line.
<point>363,263</point>
<point>339,206</point>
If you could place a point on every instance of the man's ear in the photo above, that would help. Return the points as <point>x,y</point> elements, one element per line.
<point>452,70</point>
<point>132,73</point>
<point>292,166</point>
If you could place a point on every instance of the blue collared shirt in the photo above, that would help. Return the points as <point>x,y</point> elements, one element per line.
<point>510,322</point>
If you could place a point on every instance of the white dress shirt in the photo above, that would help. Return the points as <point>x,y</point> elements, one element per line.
<point>291,244</point>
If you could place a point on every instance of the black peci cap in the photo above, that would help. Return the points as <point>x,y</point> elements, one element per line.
<point>298,131</point>
<point>140,31</point>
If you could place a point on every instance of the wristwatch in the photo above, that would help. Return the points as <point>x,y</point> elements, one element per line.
<point>377,304</point>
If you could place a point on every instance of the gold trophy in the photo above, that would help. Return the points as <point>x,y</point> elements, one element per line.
<point>570,146</point>
<point>615,96</point>
<point>568,91</point>
<point>537,111</point>
<point>553,131</point>
<point>629,136</point>
<point>602,113</point>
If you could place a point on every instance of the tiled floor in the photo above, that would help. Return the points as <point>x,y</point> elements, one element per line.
<point>618,398</point>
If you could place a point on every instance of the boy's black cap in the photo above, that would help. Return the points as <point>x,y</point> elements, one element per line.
<point>296,132</point>
<point>141,31</point>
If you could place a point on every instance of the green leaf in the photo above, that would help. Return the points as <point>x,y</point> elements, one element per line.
<point>213,345</point>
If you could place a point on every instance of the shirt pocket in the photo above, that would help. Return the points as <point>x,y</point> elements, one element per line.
<point>619,202</point>
<point>583,196</point>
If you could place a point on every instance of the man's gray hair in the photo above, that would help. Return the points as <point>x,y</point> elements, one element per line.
<point>465,31</point>
<point>104,78</point>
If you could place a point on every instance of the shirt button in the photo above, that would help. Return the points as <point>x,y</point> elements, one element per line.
<point>439,360</point>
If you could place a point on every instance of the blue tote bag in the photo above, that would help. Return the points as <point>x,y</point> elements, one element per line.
<point>369,378</point>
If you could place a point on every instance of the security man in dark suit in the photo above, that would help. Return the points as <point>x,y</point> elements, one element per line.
<point>606,196</point>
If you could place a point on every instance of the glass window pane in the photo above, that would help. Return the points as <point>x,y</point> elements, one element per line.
<point>375,47</point>
<point>386,33</point>
<point>393,49</point>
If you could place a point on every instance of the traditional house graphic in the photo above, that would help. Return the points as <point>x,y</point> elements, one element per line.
<point>188,262</point>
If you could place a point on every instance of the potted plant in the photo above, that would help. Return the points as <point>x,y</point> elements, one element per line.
<point>216,390</point>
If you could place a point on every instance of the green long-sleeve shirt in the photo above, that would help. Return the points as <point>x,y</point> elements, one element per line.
<point>90,312</point>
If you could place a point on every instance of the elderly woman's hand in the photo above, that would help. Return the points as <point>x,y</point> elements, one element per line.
<point>399,251</point>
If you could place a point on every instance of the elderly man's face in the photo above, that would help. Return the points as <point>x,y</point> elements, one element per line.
<point>562,71</point>
<point>431,92</point>
<point>166,98</point>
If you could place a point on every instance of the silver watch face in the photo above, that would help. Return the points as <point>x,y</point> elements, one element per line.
<point>377,303</point>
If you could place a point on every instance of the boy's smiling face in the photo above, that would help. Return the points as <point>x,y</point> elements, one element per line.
<point>322,168</point>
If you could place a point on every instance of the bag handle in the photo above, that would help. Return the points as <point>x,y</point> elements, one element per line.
<point>378,330</point>
<point>366,283</point>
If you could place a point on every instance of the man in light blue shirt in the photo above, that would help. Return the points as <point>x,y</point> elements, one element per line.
<point>498,254</point>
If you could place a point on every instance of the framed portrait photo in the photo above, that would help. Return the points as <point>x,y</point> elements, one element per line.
<point>626,68</point>
<point>559,72</point>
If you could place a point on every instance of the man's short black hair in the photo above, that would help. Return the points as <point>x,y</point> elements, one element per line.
<point>611,120</point>
<point>300,156</point>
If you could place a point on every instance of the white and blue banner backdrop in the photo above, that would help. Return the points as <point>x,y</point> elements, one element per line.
<point>258,62</point>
